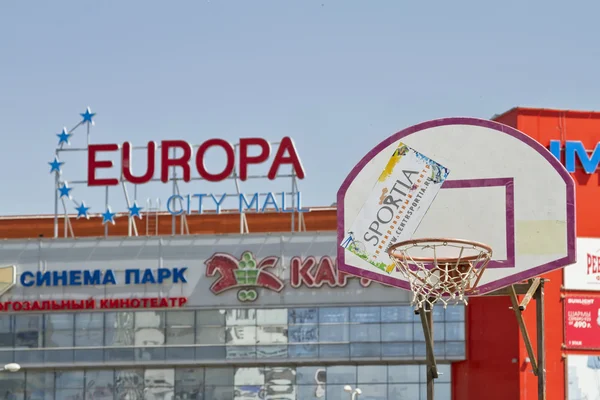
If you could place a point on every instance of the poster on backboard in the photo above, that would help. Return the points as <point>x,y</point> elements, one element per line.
<point>395,207</point>
<point>585,273</point>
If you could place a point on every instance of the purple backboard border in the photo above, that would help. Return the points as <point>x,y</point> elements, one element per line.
<point>571,256</point>
<point>508,183</point>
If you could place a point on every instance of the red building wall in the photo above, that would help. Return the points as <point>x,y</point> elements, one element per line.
<point>494,339</point>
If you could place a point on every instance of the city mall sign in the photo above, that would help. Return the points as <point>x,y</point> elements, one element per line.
<point>173,161</point>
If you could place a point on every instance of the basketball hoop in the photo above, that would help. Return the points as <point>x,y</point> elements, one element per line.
<point>445,270</point>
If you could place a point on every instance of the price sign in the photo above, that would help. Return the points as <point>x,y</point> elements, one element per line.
<point>582,325</point>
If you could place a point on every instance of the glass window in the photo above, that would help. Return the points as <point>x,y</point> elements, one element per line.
<point>365,315</point>
<point>28,330</point>
<point>311,375</point>
<point>246,352</point>
<point>403,374</point>
<point>456,313</point>
<point>443,391</point>
<point>240,335</point>
<point>6,331</point>
<point>271,334</point>
<point>210,318</point>
<point>311,392</point>
<point>100,384</point>
<point>375,392</point>
<point>397,314</point>
<point>397,350</point>
<point>219,393</point>
<point>334,333</point>
<point>397,332</point>
<point>189,383</point>
<point>275,316</point>
<point>455,349</point>
<point>342,374</point>
<point>372,374</point>
<point>303,351</point>
<point>366,350</point>
<point>149,330</point>
<point>303,316</point>
<point>39,385</point>
<point>237,317</point>
<point>59,330</point>
<point>180,327</point>
<point>284,376</point>
<point>336,392</point>
<point>129,384</point>
<point>331,315</point>
<point>365,333</point>
<point>219,376</point>
<point>12,386</point>
<point>210,335</point>
<point>159,383</point>
<point>334,351</point>
<point>438,332</point>
<point>455,331</point>
<point>248,376</point>
<point>445,373</point>
<point>303,333</point>
<point>406,391</point>
<point>438,314</point>
<point>69,385</point>
<point>89,329</point>
<point>119,329</point>
<point>272,351</point>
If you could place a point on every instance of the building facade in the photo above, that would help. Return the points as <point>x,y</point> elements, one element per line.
<point>255,316</point>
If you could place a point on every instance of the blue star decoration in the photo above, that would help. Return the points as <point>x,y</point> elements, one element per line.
<point>64,190</point>
<point>87,116</point>
<point>55,165</point>
<point>134,211</point>
<point>108,216</point>
<point>63,137</point>
<point>82,211</point>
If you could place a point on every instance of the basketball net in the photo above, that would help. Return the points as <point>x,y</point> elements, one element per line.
<point>440,270</point>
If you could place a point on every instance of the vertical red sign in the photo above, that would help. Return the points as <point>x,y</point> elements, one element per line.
<point>582,325</point>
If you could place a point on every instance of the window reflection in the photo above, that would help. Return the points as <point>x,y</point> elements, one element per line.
<point>28,331</point>
<point>69,385</point>
<point>303,316</point>
<point>89,329</point>
<point>180,327</point>
<point>59,330</point>
<point>129,384</point>
<point>159,384</point>
<point>39,385</point>
<point>119,328</point>
<point>189,384</point>
<point>100,385</point>
<point>378,382</point>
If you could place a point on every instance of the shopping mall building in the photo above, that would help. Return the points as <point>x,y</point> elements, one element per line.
<point>216,314</point>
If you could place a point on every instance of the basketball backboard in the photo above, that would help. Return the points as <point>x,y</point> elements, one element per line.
<point>503,189</point>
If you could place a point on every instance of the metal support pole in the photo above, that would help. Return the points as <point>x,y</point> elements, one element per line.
<point>541,341</point>
<point>426,314</point>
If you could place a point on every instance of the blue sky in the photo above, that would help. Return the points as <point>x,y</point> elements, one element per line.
<point>337,76</point>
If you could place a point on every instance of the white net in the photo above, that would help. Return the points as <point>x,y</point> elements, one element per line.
<point>444,270</point>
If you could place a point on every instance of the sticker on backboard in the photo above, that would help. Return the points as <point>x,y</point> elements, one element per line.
<point>395,207</point>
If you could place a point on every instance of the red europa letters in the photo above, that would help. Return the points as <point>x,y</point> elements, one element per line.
<point>286,154</point>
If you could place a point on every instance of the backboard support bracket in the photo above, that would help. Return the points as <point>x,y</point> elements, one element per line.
<point>534,291</point>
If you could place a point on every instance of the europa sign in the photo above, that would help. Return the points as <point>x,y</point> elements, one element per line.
<point>173,161</point>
